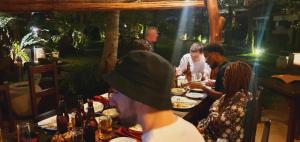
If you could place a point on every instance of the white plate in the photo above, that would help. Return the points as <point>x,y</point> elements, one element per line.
<point>123,139</point>
<point>196,95</point>
<point>50,123</point>
<point>182,102</point>
<point>98,107</point>
<point>137,128</point>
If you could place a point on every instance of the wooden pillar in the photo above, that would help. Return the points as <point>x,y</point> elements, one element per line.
<point>216,22</point>
<point>109,54</point>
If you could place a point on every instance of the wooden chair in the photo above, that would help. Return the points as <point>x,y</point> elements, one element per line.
<point>253,117</point>
<point>4,95</point>
<point>52,91</point>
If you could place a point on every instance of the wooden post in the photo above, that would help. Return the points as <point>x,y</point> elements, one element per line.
<point>109,54</point>
<point>216,22</point>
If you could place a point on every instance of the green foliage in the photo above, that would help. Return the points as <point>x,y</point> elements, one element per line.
<point>5,20</point>
<point>233,3</point>
<point>80,76</point>
<point>79,39</point>
<point>32,39</point>
<point>17,52</point>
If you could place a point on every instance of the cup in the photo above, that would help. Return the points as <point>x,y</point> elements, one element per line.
<point>196,77</point>
<point>77,135</point>
<point>72,122</point>
<point>1,138</point>
<point>26,133</point>
<point>105,127</point>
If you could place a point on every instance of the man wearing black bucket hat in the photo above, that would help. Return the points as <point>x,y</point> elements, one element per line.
<point>141,85</point>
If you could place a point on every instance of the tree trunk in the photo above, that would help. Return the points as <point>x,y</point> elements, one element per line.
<point>109,54</point>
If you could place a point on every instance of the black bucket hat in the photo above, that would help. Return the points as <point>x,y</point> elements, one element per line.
<point>145,77</point>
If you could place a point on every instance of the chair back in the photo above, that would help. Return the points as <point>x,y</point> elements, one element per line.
<point>252,117</point>
<point>52,91</point>
<point>6,104</point>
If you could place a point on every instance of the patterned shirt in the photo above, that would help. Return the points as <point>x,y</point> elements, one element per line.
<point>225,119</point>
<point>142,44</point>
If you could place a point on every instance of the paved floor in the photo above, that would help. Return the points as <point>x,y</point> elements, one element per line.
<point>278,129</point>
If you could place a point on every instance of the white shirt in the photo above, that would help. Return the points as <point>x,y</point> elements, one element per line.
<point>199,66</point>
<point>179,131</point>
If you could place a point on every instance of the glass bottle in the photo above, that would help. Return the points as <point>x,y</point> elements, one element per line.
<point>91,124</point>
<point>80,114</point>
<point>62,118</point>
<point>188,73</point>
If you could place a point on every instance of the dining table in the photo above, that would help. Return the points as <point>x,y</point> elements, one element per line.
<point>193,115</point>
<point>291,91</point>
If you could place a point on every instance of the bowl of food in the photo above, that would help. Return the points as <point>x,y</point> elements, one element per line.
<point>178,91</point>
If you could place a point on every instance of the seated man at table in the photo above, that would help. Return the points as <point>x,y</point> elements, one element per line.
<point>226,115</point>
<point>196,60</point>
<point>141,85</point>
<point>214,55</point>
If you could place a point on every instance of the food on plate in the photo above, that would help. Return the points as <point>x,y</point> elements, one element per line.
<point>137,128</point>
<point>182,102</point>
<point>178,91</point>
<point>112,112</point>
<point>66,137</point>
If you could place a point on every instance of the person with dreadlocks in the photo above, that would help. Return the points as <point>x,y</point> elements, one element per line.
<point>225,119</point>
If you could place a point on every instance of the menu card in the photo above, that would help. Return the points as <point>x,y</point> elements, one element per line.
<point>287,78</point>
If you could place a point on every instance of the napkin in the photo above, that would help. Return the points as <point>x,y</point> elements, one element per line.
<point>101,99</point>
<point>129,133</point>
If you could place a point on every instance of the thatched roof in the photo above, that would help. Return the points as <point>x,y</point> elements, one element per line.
<point>94,5</point>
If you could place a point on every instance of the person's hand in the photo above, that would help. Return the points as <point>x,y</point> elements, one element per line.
<point>210,83</point>
<point>198,85</point>
<point>178,71</point>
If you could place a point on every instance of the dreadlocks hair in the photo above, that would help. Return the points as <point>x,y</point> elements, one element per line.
<point>237,77</point>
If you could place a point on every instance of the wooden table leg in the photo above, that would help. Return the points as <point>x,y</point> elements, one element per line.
<point>297,124</point>
<point>291,122</point>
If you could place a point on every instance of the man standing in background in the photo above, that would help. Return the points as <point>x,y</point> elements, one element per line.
<point>146,44</point>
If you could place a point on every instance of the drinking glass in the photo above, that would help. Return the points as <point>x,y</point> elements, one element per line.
<point>72,122</point>
<point>105,126</point>
<point>206,76</point>
<point>77,135</point>
<point>26,133</point>
<point>1,138</point>
<point>196,77</point>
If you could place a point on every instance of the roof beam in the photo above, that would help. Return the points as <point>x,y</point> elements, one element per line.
<point>50,5</point>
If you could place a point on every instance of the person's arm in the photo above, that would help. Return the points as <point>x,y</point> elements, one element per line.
<point>213,93</point>
<point>209,91</point>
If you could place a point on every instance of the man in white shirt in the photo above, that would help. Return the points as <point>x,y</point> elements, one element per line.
<point>141,85</point>
<point>196,60</point>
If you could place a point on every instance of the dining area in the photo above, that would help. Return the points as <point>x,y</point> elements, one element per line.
<point>101,117</point>
<point>189,104</point>
<point>149,71</point>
